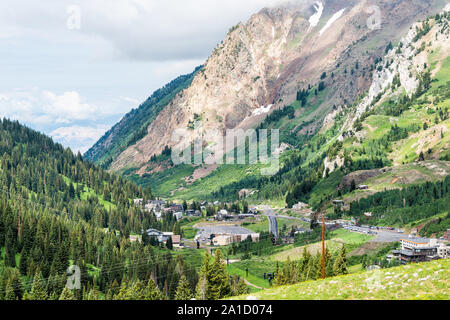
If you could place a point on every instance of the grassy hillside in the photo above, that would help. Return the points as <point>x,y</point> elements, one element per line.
<point>257,266</point>
<point>57,209</point>
<point>416,281</point>
<point>339,237</point>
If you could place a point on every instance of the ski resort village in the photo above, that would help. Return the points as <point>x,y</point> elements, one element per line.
<point>215,225</point>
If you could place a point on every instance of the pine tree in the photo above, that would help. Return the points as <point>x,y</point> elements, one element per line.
<point>353,185</point>
<point>137,291</point>
<point>219,283</point>
<point>54,296</point>
<point>10,254</point>
<point>313,268</point>
<point>23,263</point>
<point>176,229</point>
<point>303,268</point>
<point>169,244</point>
<point>241,287</point>
<point>329,270</point>
<point>183,290</point>
<point>124,292</point>
<point>319,270</point>
<point>93,295</point>
<point>113,290</point>
<point>38,290</point>
<point>66,294</point>
<point>152,291</point>
<point>9,291</point>
<point>202,290</point>
<point>16,283</point>
<point>283,276</point>
<point>294,273</point>
<point>340,265</point>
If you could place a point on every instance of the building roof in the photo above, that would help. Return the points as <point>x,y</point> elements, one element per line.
<point>154,231</point>
<point>417,240</point>
<point>408,253</point>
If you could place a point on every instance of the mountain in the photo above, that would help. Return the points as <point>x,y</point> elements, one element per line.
<point>364,119</point>
<point>264,63</point>
<point>323,75</point>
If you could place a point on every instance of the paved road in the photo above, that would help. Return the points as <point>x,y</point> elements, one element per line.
<point>273,227</point>
<point>273,223</point>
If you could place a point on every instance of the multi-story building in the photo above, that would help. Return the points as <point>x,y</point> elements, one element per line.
<point>226,239</point>
<point>417,250</point>
<point>443,251</point>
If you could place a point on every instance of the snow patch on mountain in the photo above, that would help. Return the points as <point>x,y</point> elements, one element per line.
<point>315,18</point>
<point>262,110</point>
<point>333,19</point>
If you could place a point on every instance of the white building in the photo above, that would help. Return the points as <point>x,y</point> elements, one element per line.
<point>299,206</point>
<point>155,205</point>
<point>158,216</point>
<point>161,236</point>
<point>222,240</point>
<point>443,251</point>
<point>226,239</point>
<point>178,215</point>
<point>418,243</point>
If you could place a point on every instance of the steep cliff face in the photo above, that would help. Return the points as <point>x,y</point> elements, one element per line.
<point>262,64</point>
<point>423,52</point>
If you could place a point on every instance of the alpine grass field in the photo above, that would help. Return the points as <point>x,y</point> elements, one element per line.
<point>424,281</point>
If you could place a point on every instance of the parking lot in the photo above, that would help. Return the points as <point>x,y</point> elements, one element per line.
<point>204,233</point>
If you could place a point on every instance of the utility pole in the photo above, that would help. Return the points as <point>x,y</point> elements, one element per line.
<point>323,246</point>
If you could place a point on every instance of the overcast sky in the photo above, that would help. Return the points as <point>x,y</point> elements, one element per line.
<point>73,68</point>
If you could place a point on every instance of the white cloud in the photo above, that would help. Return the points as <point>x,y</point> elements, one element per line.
<point>65,117</point>
<point>123,51</point>
<point>75,133</point>
<point>80,138</point>
<point>138,29</point>
<point>67,107</point>
<point>37,106</point>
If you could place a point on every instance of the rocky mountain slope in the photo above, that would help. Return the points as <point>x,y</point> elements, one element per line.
<point>262,65</point>
<point>421,56</point>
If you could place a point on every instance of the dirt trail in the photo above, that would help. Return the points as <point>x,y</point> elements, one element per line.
<point>252,285</point>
